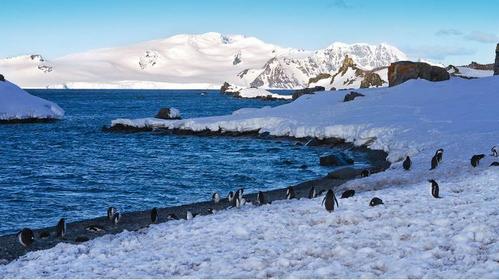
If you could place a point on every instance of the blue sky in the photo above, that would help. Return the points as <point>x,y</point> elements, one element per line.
<point>443,31</point>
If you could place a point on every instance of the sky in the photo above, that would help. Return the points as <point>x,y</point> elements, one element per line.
<point>442,31</point>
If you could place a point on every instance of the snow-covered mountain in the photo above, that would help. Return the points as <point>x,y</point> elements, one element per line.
<point>193,61</point>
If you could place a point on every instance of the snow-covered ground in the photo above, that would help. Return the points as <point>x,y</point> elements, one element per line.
<point>261,93</point>
<point>411,235</point>
<point>16,104</point>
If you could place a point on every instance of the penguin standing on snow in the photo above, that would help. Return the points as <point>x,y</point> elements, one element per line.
<point>434,162</point>
<point>375,201</point>
<point>312,193</point>
<point>475,160</point>
<point>439,154</point>
<point>434,188</point>
<point>110,212</point>
<point>26,237</point>
<point>230,196</point>
<point>407,163</point>
<point>260,198</point>
<point>290,193</point>
<point>61,228</point>
<point>348,193</point>
<point>495,151</point>
<point>215,197</point>
<point>189,215</point>
<point>329,201</point>
<point>239,193</point>
<point>154,215</point>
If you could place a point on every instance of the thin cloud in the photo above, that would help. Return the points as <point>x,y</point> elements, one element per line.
<point>438,52</point>
<point>482,37</point>
<point>448,32</point>
<point>342,4</point>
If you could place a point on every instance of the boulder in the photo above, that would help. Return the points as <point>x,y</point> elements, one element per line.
<point>168,114</point>
<point>401,71</point>
<point>300,92</point>
<point>224,87</point>
<point>351,96</point>
<point>2,78</point>
<point>335,160</point>
<point>496,65</point>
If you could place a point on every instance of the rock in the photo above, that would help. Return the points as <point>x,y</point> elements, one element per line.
<point>2,78</point>
<point>478,66</point>
<point>224,87</point>
<point>401,71</point>
<point>344,173</point>
<point>168,114</point>
<point>351,96</point>
<point>496,65</point>
<point>335,160</point>
<point>300,92</point>
<point>371,79</point>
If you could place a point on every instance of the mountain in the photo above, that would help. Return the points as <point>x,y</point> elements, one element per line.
<point>193,61</point>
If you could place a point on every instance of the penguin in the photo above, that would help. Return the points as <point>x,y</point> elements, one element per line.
<point>116,218</point>
<point>189,215</point>
<point>260,199</point>
<point>26,237</point>
<point>240,202</point>
<point>230,196</point>
<point>110,212</point>
<point>329,200</point>
<point>215,197</point>
<point>434,162</point>
<point>439,154</point>
<point>434,188</point>
<point>81,239</point>
<point>211,211</point>
<point>365,173</point>
<point>94,228</point>
<point>348,193</point>
<point>407,163</point>
<point>495,163</point>
<point>239,193</point>
<point>475,160</point>
<point>44,235</point>
<point>495,151</point>
<point>154,215</point>
<point>172,216</point>
<point>61,228</point>
<point>312,193</point>
<point>375,201</point>
<point>290,193</point>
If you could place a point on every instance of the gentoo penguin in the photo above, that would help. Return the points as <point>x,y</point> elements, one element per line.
<point>407,163</point>
<point>81,239</point>
<point>260,198</point>
<point>365,173</point>
<point>116,218</point>
<point>215,197</point>
<point>495,163</point>
<point>154,215</point>
<point>434,188</point>
<point>110,212</point>
<point>375,201</point>
<point>348,193</point>
<point>495,151</point>
<point>312,193</point>
<point>290,193</point>
<point>230,196</point>
<point>189,215</point>
<point>439,154</point>
<point>239,202</point>
<point>434,162</point>
<point>475,160</point>
<point>329,201</point>
<point>61,228</point>
<point>26,237</point>
<point>172,216</point>
<point>239,193</point>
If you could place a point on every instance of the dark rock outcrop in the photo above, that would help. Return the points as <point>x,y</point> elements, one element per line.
<point>2,78</point>
<point>401,71</point>
<point>351,96</point>
<point>371,79</point>
<point>167,114</point>
<point>224,87</point>
<point>300,92</point>
<point>335,160</point>
<point>478,66</point>
<point>496,65</point>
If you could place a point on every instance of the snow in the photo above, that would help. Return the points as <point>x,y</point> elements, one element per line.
<point>412,235</point>
<point>476,73</point>
<point>16,103</point>
<point>174,113</point>
<point>258,93</point>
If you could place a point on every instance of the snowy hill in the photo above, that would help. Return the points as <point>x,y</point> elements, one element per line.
<point>192,61</point>
<point>18,105</point>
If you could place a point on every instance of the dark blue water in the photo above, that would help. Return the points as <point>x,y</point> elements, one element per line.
<point>71,169</point>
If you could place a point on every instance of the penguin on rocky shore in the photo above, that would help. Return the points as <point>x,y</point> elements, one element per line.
<point>365,173</point>
<point>116,218</point>
<point>215,197</point>
<point>260,198</point>
<point>230,196</point>
<point>290,193</point>
<point>312,193</point>
<point>154,215</point>
<point>329,200</point>
<point>110,212</point>
<point>26,237</point>
<point>61,228</point>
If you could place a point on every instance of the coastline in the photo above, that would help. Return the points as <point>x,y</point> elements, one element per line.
<point>137,220</point>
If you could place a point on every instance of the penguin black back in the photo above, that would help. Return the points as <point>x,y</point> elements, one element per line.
<point>230,196</point>
<point>215,197</point>
<point>116,218</point>
<point>475,160</point>
<point>434,162</point>
<point>154,215</point>
<point>26,237</point>
<point>365,173</point>
<point>110,212</point>
<point>260,198</point>
<point>329,201</point>
<point>439,154</point>
<point>494,151</point>
<point>312,193</point>
<point>290,193</point>
<point>61,228</point>
<point>407,163</point>
<point>348,193</point>
<point>375,201</point>
<point>435,190</point>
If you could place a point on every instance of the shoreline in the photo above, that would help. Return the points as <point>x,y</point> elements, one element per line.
<point>136,220</point>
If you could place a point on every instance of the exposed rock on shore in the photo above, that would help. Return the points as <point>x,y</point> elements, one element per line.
<point>168,114</point>
<point>300,92</point>
<point>335,160</point>
<point>351,96</point>
<point>496,65</point>
<point>401,71</point>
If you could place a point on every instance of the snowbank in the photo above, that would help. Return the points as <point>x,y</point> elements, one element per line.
<point>261,93</point>
<point>17,104</point>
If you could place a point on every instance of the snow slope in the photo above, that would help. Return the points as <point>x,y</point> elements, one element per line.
<point>16,104</point>
<point>186,61</point>
<point>259,93</point>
